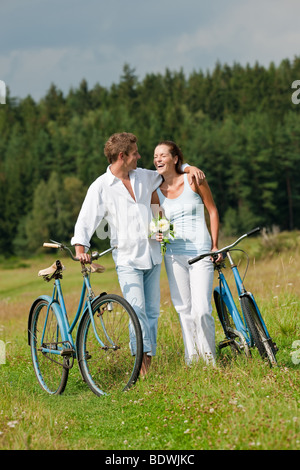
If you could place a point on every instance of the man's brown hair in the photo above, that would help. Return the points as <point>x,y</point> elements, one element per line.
<point>119,142</point>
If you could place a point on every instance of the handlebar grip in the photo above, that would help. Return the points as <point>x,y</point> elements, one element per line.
<point>51,245</point>
<point>257,229</point>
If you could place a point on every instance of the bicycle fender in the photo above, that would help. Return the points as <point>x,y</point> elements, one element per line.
<point>226,300</point>
<point>251,297</point>
<point>233,310</point>
<point>42,297</point>
<point>217,289</point>
<point>224,297</point>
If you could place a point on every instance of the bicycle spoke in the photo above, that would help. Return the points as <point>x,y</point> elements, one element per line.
<point>114,363</point>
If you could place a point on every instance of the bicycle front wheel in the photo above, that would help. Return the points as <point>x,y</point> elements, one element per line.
<point>114,362</point>
<point>49,367</point>
<point>263,344</point>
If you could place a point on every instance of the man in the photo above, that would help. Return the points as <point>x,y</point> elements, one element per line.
<point>122,196</point>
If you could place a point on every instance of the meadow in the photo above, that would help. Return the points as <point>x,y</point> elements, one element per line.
<point>240,404</point>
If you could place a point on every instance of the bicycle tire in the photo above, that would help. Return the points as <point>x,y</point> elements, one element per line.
<point>114,367</point>
<point>236,340</point>
<point>50,370</point>
<point>257,332</point>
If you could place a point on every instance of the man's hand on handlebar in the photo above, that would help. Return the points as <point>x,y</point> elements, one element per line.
<point>81,255</point>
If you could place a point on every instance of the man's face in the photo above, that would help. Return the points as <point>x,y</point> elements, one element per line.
<point>131,159</point>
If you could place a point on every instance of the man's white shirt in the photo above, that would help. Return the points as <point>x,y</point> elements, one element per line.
<point>108,201</point>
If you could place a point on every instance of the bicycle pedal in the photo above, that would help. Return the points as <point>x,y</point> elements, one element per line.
<point>225,343</point>
<point>67,352</point>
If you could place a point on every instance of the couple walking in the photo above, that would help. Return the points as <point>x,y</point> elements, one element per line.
<point>122,197</point>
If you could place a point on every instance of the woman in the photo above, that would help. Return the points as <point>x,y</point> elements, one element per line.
<point>190,285</point>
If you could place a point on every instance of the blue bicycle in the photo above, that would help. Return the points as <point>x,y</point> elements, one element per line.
<point>246,331</point>
<point>108,344</point>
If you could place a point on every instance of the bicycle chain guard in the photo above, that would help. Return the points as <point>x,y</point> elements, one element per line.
<point>67,353</point>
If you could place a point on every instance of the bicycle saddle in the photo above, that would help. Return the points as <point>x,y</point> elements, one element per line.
<point>57,266</point>
<point>97,268</point>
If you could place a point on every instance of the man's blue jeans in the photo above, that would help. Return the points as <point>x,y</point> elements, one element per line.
<point>142,290</point>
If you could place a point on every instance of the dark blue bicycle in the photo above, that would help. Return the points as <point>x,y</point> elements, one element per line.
<point>242,331</point>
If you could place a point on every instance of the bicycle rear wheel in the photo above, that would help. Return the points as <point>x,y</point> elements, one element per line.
<point>116,365</point>
<point>263,344</point>
<point>234,338</point>
<point>49,368</point>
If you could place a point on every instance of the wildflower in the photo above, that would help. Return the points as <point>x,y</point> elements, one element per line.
<point>12,424</point>
<point>153,227</point>
<point>162,225</point>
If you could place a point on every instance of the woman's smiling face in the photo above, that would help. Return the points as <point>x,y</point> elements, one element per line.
<point>163,160</point>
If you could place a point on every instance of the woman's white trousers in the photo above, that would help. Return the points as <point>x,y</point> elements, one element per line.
<point>191,292</point>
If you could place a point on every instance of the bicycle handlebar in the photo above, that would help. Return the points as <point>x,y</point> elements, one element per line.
<point>95,254</point>
<point>225,249</point>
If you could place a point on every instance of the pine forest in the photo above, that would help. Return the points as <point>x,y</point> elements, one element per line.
<point>237,123</point>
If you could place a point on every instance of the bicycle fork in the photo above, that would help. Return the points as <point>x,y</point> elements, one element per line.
<point>225,294</point>
<point>90,298</point>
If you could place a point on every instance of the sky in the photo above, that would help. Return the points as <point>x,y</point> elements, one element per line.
<point>61,42</point>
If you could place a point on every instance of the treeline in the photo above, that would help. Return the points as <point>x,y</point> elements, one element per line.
<point>236,123</point>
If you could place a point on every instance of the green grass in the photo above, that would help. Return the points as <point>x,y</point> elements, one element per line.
<point>240,404</point>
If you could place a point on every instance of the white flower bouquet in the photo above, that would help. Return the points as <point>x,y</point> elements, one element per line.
<point>162,225</point>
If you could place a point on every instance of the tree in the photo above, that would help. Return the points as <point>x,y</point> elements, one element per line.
<point>288,169</point>
<point>237,123</point>
<point>49,217</point>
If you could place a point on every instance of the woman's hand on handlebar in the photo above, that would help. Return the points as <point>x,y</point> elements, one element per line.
<point>217,258</point>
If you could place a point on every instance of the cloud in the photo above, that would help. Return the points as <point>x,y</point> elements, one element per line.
<point>251,31</point>
<point>35,69</point>
<point>64,41</point>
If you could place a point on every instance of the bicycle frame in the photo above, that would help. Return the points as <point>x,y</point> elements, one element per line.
<point>57,303</point>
